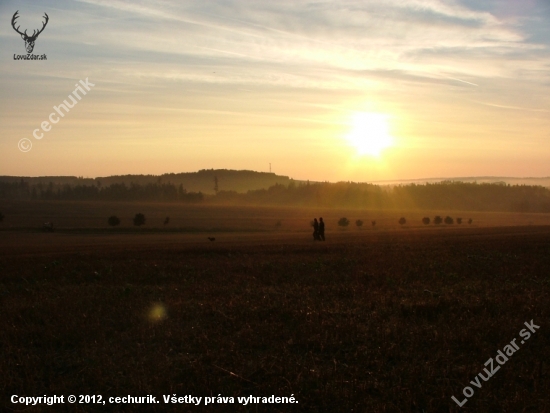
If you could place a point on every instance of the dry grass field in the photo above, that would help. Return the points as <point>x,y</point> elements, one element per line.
<point>387,319</point>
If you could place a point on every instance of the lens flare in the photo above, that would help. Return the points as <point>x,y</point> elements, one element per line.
<point>157,313</point>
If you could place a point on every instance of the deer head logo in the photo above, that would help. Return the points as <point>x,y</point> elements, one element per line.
<point>29,40</point>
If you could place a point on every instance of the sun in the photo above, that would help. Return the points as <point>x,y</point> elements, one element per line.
<point>369,133</point>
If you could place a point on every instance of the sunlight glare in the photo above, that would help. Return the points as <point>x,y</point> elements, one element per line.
<point>369,133</point>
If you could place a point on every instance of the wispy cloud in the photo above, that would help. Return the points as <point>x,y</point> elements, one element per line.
<point>415,35</point>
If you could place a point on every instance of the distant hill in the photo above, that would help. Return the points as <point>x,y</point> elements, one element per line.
<point>201,181</point>
<point>237,181</point>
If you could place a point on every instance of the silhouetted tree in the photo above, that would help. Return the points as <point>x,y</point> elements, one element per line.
<point>459,221</point>
<point>470,221</point>
<point>166,220</point>
<point>438,220</point>
<point>359,223</point>
<point>139,219</point>
<point>343,222</point>
<point>402,221</point>
<point>426,221</point>
<point>373,223</point>
<point>113,221</point>
<point>278,224</point>
<point>449,220</point>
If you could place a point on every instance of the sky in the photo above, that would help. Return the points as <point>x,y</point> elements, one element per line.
<point>333,90</point>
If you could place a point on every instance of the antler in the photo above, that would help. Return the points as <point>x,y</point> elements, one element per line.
<point>15,16</point>
<point>43,25</point>
<point>34,33</point>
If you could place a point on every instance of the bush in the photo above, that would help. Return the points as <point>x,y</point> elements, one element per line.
<point>373,223</point>
<point>438,220</point>
<point>359,223</point>
<point>470,221</point>
<point>449,220</point>
<point>166,220</point>
<point>426,221</point>
<point>343,222</point>
<point>139,219</point>
<point>113,221</point>
<point>402,221</point>
<point>459,221</point>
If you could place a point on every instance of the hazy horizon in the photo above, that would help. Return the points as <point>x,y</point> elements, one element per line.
<point>235,174</point>
<point>328,91</point>
<point>299,178</point>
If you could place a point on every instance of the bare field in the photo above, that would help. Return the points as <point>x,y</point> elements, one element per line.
<point>65,215</point>
<point>393,320</point>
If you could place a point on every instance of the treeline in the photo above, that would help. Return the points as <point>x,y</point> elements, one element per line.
<point>168,192</point>
<point>342,194</point>
<point>475,197</point>
<point>445,195</point>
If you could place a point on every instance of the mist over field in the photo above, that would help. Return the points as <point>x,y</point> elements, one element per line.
<point>227,187</point>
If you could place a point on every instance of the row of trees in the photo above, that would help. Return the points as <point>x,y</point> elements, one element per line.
<point>448,220</point>
<point>139,220</point>
<point>344,222</point>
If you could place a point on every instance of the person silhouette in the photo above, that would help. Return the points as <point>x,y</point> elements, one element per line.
<point>315,230</point>
<point>321,229</point>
